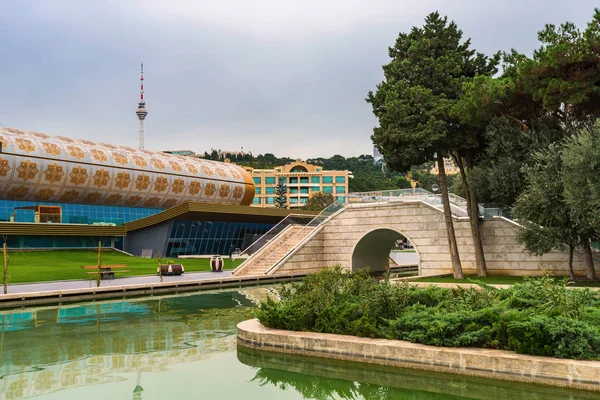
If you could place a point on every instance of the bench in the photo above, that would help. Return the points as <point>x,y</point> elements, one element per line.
<point>106,271</point>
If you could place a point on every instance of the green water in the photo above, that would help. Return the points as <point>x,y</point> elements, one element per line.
<point>184,347</point>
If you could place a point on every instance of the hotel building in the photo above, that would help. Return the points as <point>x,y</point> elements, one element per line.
<point>302,180</point>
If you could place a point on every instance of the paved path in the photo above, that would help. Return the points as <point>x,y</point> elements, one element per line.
<point>134,280</point>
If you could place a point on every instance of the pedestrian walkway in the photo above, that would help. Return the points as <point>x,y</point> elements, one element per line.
<point>134,280</point>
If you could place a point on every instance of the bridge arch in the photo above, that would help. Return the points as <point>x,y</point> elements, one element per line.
<point>373,249</point>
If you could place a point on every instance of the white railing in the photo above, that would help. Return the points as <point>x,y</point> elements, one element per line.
<point>321,218</point>
<point>291,219</point>
<point>458,204</point>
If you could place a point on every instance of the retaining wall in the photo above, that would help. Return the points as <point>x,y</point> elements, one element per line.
<point>485,363</point>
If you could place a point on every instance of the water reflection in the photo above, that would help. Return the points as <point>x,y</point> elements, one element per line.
<point>315,378</point>
<point>46,349</point>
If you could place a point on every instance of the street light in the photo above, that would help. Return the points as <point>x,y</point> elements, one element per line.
<point>434,189</point>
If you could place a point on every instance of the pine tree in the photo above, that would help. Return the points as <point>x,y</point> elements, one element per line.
<point>281,191</point>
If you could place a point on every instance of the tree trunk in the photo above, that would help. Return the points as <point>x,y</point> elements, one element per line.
<point>473,211</point>
<point>571,272</point>
<point>588,260</point>
<point>452,245</point>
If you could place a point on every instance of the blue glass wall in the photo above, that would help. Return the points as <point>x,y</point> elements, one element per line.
<point>77,213</point>
<point>209,237</point>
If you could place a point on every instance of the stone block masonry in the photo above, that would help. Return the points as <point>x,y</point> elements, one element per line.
<point>335,242</point>
<point>497,364</point>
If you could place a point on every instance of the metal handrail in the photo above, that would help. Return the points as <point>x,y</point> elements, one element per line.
<point>336,203</point>
<point>271,231</point>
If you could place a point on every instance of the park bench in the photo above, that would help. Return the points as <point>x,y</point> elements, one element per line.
<point>107,271</point>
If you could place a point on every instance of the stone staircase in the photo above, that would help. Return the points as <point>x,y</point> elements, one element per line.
<point>261,261</point>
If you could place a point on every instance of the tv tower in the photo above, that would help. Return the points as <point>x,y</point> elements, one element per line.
<point>141,111</point>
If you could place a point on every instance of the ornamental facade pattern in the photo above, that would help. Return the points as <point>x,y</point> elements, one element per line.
<point>39,167</point>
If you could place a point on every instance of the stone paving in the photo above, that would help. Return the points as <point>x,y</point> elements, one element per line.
<point>134,280</point>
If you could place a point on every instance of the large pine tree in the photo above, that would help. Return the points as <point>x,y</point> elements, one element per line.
<point>414,105</point>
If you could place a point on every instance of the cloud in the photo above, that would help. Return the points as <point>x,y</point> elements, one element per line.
<point>285,77</point>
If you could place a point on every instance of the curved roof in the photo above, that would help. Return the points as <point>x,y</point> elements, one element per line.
<point>40,167</point>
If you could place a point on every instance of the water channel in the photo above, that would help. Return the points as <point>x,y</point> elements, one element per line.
<point>184,347</point>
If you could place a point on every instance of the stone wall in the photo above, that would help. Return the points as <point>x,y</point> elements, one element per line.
<point>484,363</point>
<point>424,226</point>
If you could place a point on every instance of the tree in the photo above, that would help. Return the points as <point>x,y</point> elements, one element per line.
<point>319,201</point>
<point>561,202</point>
<point>541,208</point>
<point>281,193</point>
<point>414,107</point>
<point>403,183</point>
<point>581,158</point>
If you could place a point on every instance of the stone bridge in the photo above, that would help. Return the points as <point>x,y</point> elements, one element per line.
<point>362,235</point>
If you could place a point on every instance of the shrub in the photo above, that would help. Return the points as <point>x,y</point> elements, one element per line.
<point>541,316</point>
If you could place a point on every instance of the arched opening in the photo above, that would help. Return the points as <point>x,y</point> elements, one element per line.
<point>299,168</point>
<point>385,249</point>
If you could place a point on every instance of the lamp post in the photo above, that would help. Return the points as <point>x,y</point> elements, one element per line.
<point>434,189</point>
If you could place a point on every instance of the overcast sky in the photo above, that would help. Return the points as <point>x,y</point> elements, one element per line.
<point>287,77</point>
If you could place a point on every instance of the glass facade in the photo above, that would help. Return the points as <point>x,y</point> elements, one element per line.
<point>75,213</point>
<point>23,242</point>
<point>210,237</point>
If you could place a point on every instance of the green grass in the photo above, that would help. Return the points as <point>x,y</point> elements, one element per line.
<point>490,280</point>
<point>495,280</point>
<point>39,266</point>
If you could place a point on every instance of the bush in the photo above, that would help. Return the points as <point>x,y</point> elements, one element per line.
<point>541,316</point>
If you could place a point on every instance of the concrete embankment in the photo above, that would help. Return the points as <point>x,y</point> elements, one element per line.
<point>497,364</point>
<point>140,289</point>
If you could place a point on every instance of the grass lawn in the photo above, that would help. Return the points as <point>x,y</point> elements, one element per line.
<point>491,280</point>
<point>495,280</point>
<point>37,266</point>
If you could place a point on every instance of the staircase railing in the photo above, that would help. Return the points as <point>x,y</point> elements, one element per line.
<point>291,219</point>
<point>323,216</point>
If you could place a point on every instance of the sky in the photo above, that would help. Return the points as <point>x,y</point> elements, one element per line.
<point>286,77</point>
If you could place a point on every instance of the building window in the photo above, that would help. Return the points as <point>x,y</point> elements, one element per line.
<point>293,180</point>
<point>270,200</point>
<point>257,190</point>
<point>328,179</point>
<point>304,190</point>
<point>304,180</point>
<point>293,200</point>
<point>270,180</point>
<point>340,179</point>
<point>315,179</point>
<point>270,190</point>
<point>257,181</point>
<point>341,199</point>
<point>315,189</point>
<point>256,200</point>
<point>327,189</point>
<point>303,200</point>
<point>340,189</point>
<point>293,190</point>
<point>319,169</point>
